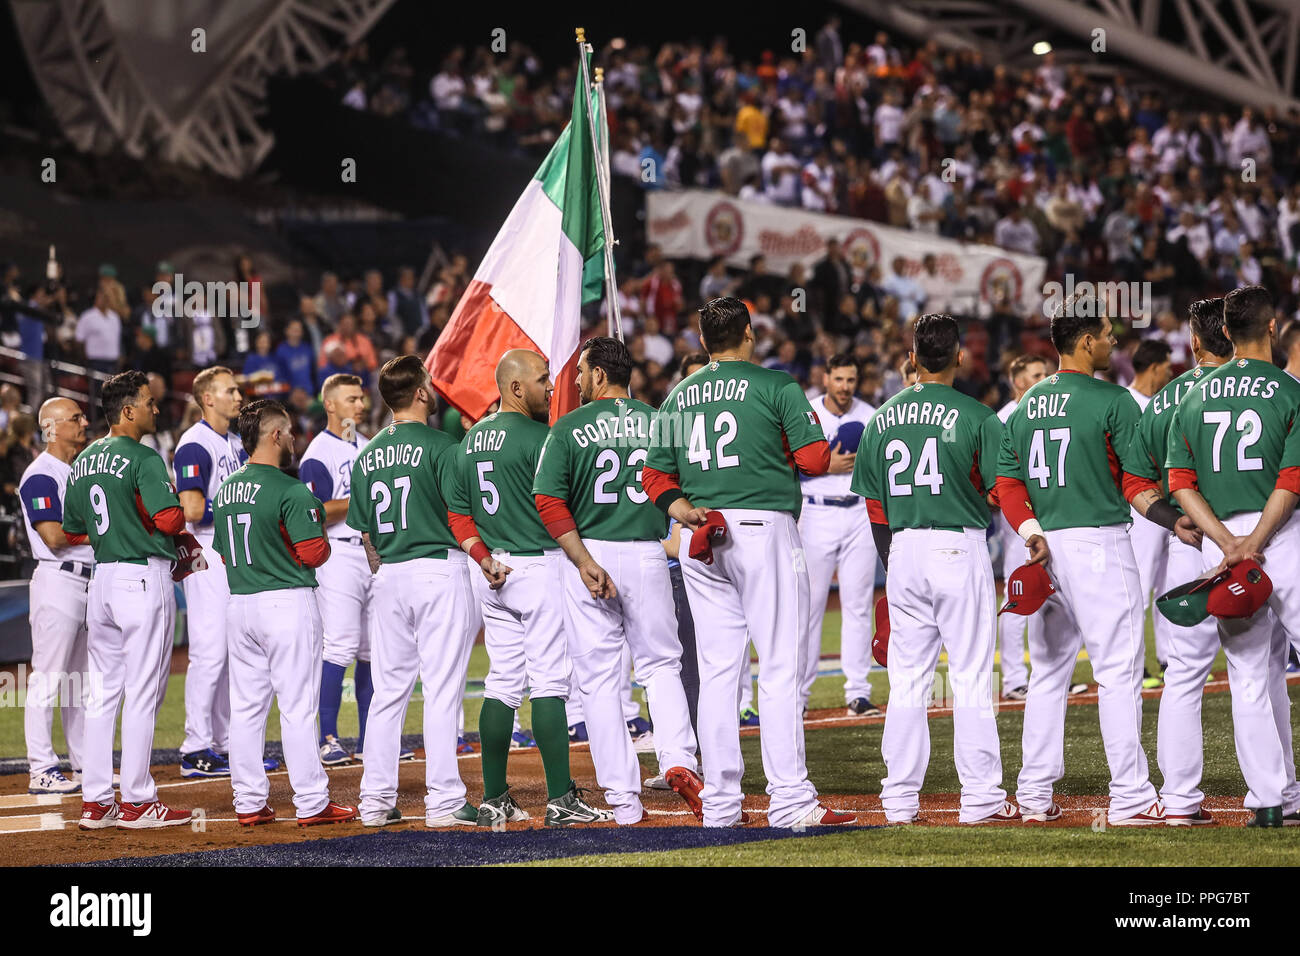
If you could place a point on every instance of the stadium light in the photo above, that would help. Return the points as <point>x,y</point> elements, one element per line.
<point>1042,47</point>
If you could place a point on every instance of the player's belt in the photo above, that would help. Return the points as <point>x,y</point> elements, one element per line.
<point>77,568</point>
<point>840,501</point>
<point>355,539</point>
<point>526,554</point>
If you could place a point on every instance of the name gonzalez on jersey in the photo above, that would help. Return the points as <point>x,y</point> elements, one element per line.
<point>100,464</point>
<point>629,425</point>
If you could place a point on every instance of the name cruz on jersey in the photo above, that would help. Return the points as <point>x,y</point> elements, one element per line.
<point>203,460</point>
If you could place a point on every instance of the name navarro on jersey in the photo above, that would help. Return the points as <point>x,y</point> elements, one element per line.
<point>389,456</point>
<point>101,464</point>
<point>916,413</point>
<point>237,492</point>
<point>712,390</point>
<point>1238,386</point>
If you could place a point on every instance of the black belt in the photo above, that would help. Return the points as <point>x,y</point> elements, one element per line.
<point>356,539</point>
<point>77,568</point>
<point>842,501</point>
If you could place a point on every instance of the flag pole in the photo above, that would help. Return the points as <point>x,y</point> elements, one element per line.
<point>602,181</point>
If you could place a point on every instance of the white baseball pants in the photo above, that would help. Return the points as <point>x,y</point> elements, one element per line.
<point>422,618</point>
<point>523,628</point>
<point>58,675</point>
<point>131,616</point>
<point>345,587</point>
<point>941,595</point>
<point>755,590</point>
<point>207,682</point>
<point>275,652</point>
<point>1098,605</point>
<point>600,635</point>
<point>840,538</point>
<point>1012,627</point>
<point>1151,551</point>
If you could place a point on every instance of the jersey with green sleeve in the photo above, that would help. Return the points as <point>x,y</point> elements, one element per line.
<point>929,456</point>
<point>728,430</point>
<point>1151,439</point>
<point>1237,430</point>
<point>493,483</point>
<point>116,482</point>
<point>397,493</point>
<point>592,460</point>
<point>1069,440</point>
<point>259,513</point>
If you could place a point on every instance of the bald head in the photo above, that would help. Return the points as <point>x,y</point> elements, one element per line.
<point>524,381</point>
<point>58,408</point>
<point>63,427</point>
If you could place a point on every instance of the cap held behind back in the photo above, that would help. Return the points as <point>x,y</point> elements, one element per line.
<point>1027,589</point>
<point>1238,592</point>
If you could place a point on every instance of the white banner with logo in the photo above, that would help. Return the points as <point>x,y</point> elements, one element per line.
<point>698,224</point>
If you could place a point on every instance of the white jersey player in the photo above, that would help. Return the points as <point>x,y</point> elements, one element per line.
<point>58,601</point>
<point>836,535</point>
<point>207,454</point>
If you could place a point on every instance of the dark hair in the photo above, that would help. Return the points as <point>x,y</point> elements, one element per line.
<point>399,380</point>
<point>119,391</point>
<point>253,416</point>
<point>1150,352</point>
<point>842,360</point>
<point>1290,336</point>
<point>1247,312</point>
<point>1206,320</point>
<point>692,358</point>
<point>1081,314</point>
<point>611,355</point>
<point>935,340</point>
<point>723,322</point>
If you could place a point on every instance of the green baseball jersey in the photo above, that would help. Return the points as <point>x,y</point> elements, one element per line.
<point>1236,430</point>
<point>397,492</point>
<point>728,430</point>
<point>929,456</point>
<point>258,514</point>
<point>1069,440</point>
<point>592,459</point>
<point>1151,438</point>
<point>115,484</point>
<point>493,482</point>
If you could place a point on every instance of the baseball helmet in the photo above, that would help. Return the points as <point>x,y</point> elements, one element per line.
<point>1238,591</point>
<point>880,642</point>
<point>848,436</point>
<point>1027,589</point>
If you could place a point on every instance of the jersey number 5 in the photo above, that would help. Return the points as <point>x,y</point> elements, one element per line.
<point>927,467</point>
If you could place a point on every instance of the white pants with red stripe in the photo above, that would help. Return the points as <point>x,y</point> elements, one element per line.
<point>130,618</point>
<point>58,671</point>
<point>941,595</point>
<point>207,683</point>
<point>755,590</point>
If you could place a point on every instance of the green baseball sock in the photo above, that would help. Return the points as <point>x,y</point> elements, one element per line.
<point>551,731</point>
<point>496,721</point>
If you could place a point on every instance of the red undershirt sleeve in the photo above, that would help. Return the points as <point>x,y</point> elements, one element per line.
<point>1013,499</point>
<point>1134,485</point>
<point>813,459</point>
<point>1181,479</point>
<point>662,487</point>
<point>876,512</point>
<point>313,552</point>
<point>555,515</point>
<point>170,520</point>
<point>1288,479</point>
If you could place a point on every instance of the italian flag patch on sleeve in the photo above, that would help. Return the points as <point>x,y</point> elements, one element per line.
<point>40,504</point>
<point>189,471</point>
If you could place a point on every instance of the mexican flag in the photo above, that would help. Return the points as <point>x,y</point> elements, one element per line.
<point>545,263</point>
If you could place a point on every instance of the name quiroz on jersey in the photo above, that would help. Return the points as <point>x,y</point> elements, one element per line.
<point>237,492</point>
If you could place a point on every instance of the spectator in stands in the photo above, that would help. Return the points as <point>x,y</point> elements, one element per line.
<point>818,192</point>
<point>17,450</point>
<point>405,304</point>
<point>781,174</point>
<point>260,361</point>
<point>908,292</point>
<point>716,282</point>
<point>146,356</point>
<point>368,327</point>
<point>334,361</point>
<point>662,295</point>
<point>330,302</point>
<point>114,293</point>
<point>832,279</point>
<point>10,402</point>
<point>99,330</point>
<point>1016,233</point>
<point>296,359</point>
<point>358,352</point>
<point>372,291</point>
<point>737,164</point>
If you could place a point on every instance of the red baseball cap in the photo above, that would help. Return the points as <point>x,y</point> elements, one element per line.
<point>880,643</point>
<point>1243,590</point>
<point>1027,589</point>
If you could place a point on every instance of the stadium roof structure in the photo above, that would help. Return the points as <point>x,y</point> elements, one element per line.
<point>123,74</point>
<point>1244,51</point>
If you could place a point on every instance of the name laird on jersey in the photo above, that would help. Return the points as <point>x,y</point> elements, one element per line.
<point>488,439</point>
<point>237,492</point>
<point>390,455</point>
<point>712,390</point>
<point>915,413</point>
<point>1238,386</point>
<point>101,464</point>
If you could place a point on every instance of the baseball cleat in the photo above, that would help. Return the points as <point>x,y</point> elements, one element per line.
<point>743,820</point>
<point>1050,815</point>
<point>1267,818</point>
<point>572,810</point>
<point>1075,689</point>
<point>687,785</point>
<point>657,782</point>
<point>523,739</point>
<point>149,816</point>
<point>1007,813</point>
<point>863,707</point>
<point>466,816</point>
<point>269,764</point>
<point>403,753</point>
<point>391,815</point>
<point>1017,693</point>
<point>1151,682</point>
<point>99,816</point>
<point>578,733</point>
<point>463,746</point>
<point>1152,816</point>
<point>51,781</point>
<point>204,763</point>
<point>265,815</point>
<point>914,818</point>
<point>333,813</point>
<point>643,738</point>
<point>1200,818</point>
<point>499,811</point>
<point>749,717</point>
<point>332,753</point>
<point>1291,819</point>
<point>822,816</point>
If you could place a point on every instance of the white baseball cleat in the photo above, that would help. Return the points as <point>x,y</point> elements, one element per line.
<point>52,780</point>
<point>1152,816</point>
<point>1050,815</point>
<point>657,782</point>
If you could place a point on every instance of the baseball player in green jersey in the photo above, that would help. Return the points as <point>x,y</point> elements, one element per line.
<point>1190,652</point>
<point>926,467</point>
<point>726,448</point>
<point>616,584</point>
<point>421,592</point>
<point>270,531</point>
<point>1060,486</point>
<point>119,499</point>
<point>1234,466</point>
<point>490,506</point>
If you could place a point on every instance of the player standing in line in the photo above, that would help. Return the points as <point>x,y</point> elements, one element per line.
<point>119,499</point>
<point>1154,369</point>
<point>927,469</point>
<point>58,602</point>
<point>1234,466</point>
<point>270,532</point>
<point>1191,651</point>
<point>492,513</point>
<point>421,598</point>
<point>1059,486</point>
<point>836,534</point>
<point>616,585</point>
<point>726,449</point>
<point>207,454</point>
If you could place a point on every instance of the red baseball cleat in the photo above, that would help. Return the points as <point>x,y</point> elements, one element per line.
<point>687,785</point>
<point>821,816</point>
<point>1007,813</point>
<point>149,816</point>
<point>99,816</point>
<point>333,813</point>
<point>1200,818</point>
<point>265,815</point>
